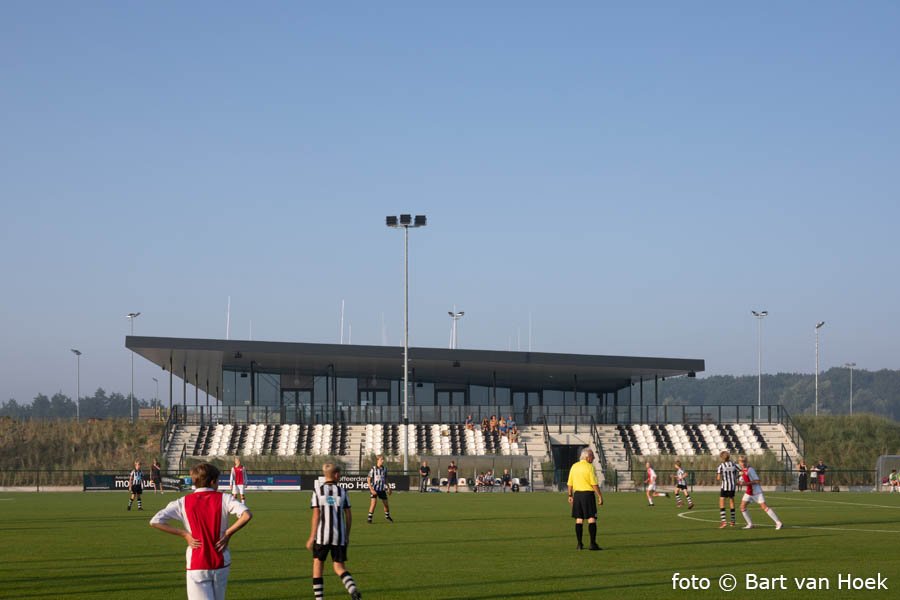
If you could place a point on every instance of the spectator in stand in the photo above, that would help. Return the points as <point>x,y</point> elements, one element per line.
<point>506,480</point>
<point>424,473</point>
<point>820,470</point>
<point>479,482</point>
<point>502,428</point>
<point>510,422</point>
<point>485,425</point>
<point>513,434</point>
<point>470,424</point>
<point>493,423</point>
<point>803,476</point>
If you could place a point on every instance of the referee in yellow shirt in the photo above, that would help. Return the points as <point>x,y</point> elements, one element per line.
<point>582,489</point>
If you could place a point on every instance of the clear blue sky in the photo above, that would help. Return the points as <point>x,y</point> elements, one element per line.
<point>637,177</point>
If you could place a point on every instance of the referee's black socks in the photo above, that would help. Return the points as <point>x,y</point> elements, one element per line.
<point>592,531</point>
<point>579,531</point>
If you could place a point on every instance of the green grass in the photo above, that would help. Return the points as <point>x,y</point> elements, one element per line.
<point>492,546</point>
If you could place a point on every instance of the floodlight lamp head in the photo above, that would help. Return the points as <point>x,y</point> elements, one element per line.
<point>405,220</point>
<point>820,324</point>
<point>390,221</point>
<point>132,315</point>
<point>420,221</point>
<point>76,352</point>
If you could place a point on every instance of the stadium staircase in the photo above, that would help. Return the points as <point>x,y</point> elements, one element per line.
<point>617,457</point>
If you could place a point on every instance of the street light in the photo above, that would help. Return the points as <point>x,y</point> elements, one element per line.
<point>77,354</point>
<point>156,398</point>
<point>760,315</point>
<point>818,327</point>
<point>131,317</point>
<point>455,317</point>
<point>850,366</point>
<point>405,222</point>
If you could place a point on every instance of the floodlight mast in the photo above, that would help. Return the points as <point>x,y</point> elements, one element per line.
<point>131,317</point>
<point>819,326</point>
<point>405,222</point>
<point>77,354</point>
<point>760,315</point>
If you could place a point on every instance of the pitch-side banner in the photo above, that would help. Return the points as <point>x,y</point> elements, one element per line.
<point>271,483</point>
<point>358,482</point>
<point>95,482</point>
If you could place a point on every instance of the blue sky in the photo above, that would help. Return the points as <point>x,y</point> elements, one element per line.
<point>637,178</point>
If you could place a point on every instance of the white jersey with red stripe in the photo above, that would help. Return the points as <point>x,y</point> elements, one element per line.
<point>651,476</point>
<point>237,475</point>
<point>204,514</point>
<point>748,476</point>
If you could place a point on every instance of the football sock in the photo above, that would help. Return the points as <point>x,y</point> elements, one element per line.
<point>690,501</point>
<point>579,531</point>
<point>319,587</point>
<point>747,518</point>
<point>722,514</point>
<point>370,517</point>
<point>387,514</point>
<point>140,505</point>
<point>130,502</point>
<point>732,515</point>
<point>772,515</point>
<point>592,530</point>
<point>348,582</point>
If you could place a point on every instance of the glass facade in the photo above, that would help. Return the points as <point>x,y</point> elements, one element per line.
<point>308,398</point>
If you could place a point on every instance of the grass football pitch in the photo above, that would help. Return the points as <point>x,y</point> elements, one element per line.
<point>85,545</point>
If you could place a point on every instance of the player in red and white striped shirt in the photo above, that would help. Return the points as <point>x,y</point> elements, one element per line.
<point>754,493</point>
<point>204,517</point>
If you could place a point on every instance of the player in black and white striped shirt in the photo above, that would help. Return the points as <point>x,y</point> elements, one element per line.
<point>726,474</point>
<point>330,531</point>
<point>378,488</point>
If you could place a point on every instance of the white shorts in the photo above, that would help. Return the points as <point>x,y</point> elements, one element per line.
<point>237,489</point>
<point>758,498</point>
<point>651,487</point>
<point>207,584</point>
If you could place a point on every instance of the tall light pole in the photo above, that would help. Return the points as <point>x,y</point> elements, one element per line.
<point>455,317</point>
<point>131,317</point>
<point>760,315</point>
<point>405,222</point>
<point>818,327</point>
<point>156,397</point>
<point>77,354</point>
<point>850,366</point>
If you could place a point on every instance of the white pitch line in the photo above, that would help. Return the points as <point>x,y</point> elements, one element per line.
<point>836,502</point>
<point>685,515</point>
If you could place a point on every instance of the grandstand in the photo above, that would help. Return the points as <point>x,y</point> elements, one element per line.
<point>275,399</point>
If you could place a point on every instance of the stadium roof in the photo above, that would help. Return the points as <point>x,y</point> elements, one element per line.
<point>518,370</point>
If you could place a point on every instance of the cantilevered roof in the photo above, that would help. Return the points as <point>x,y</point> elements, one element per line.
<point>203,360</point>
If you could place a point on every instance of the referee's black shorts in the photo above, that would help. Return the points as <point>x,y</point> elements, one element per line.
<point>338,553</point>
<point>726,493</point>
<point>584,505</point>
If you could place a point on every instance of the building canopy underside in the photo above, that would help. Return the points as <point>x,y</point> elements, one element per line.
<point>202,361</point>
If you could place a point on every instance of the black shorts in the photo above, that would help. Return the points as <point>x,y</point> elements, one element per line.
<point>137,489</point>
<point>156,481</point>
<point>452,480</point>
<point>584,505</point>
<point>382,494</point>
<point>338,553</point>
<point>726,493</point>
<point>682,486</point>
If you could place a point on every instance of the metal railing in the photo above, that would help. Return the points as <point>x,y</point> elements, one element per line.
<point>595,436</point>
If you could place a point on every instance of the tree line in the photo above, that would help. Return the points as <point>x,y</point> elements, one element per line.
<point>60,406</point>
<point>874,392</point>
